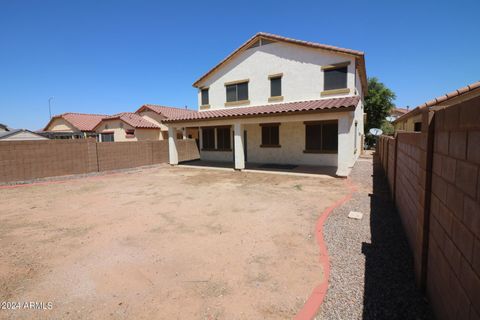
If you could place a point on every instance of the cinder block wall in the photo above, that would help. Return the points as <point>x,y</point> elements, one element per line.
<point>453,281</point>
<point>27,160</point>
<point>410,191</point>
<point>445,235</point>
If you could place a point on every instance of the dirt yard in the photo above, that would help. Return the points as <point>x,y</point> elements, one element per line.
<point>163,243</point>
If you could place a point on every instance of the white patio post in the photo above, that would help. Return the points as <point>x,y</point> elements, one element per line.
<point>238,144</point>
<point>172,146</point>
<point>184,132</point>
<point>345,150</point>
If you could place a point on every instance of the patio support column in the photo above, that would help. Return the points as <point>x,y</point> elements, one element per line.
<point>184,132</point>
<point>172,146</point>
<point>238,146</point>
<point>345,150</point>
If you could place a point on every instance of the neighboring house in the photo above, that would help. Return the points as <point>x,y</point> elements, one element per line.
<point>127,126</point>
<point>279,100</point>
<point>398,112</point>
<point>19,135</point>
<point>157,114</point>
<point>72,125</point>
<point>3,127</point>
<point>412,121</point>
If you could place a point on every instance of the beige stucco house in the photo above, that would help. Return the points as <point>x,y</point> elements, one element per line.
<point>127,126</point>
<point>279,100</point>
<point>73,125</point>
<point>412,121</point>
<point>19,135</point>
<point>157,114</point>
<point>144,124</point>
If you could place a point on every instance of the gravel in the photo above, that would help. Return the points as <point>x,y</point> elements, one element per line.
<point>371,265</point>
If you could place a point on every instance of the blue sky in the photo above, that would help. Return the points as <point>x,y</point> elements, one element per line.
<point>113,56</point>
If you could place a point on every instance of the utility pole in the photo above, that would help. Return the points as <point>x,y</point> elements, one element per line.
<point>50,107</point>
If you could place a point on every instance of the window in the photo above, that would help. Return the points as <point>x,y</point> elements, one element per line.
<point>129,133</point>
<point>417,126</point>
<point>321,137</point>
<point>276,86</point>
<point>335,78</point>
<point>270,135</point>
<point>107,137</point>
<point>205,97</point>
<point>208,138</point>
<point>223,138</point>
<point>237,92</point>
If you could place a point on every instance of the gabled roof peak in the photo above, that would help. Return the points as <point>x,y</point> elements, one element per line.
<point>359,55</point>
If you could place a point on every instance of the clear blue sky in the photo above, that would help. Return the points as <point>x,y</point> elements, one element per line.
<point>113,56</point>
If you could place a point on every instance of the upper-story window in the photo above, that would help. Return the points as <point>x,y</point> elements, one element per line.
<point>204,93</point>
<point>276,86</point>
<point>335,76</point>
<point>237,91</point>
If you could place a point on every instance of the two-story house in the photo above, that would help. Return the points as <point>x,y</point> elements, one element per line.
<point>278,100</point>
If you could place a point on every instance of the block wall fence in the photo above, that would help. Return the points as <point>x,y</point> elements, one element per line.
<point>434,179</point>
<point>28,160</point>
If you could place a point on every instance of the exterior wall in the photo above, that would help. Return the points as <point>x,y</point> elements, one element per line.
<point>301,67</point>
<point>157,119</point>
<point>118,128</point>
<point>292,142</point>
<point>27,160</point>
<point>154,118</point>
<point>408,124</point>
<point>23,135</point>
<point>292,139</point>
<point>60,124</point>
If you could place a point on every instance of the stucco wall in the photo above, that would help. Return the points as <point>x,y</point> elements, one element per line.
<point>301,67</point>
<point>409,123</point>
<point>118,128</point>
<point>60,124</point>
<point>292,139</point>
<point>292,142</point>
<point>154,118</point>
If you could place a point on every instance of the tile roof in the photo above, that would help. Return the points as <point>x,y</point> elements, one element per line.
<point>133,119</point>
<point>345,103</point>
<point>360,55</point>
<point>12,132</point>
<point>81,121</point>
<point>441,99</point>
<point>167,112</point>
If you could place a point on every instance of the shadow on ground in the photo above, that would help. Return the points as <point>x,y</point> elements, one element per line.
<point>390,291</point>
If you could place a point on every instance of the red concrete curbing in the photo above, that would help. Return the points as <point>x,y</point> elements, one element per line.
<point>313,303</point>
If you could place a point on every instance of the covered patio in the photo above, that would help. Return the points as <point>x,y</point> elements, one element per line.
<point>304,136</point>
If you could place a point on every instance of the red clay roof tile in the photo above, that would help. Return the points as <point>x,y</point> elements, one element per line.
<point>133,119</point>
<point>279,108</point>
<point>81,121</point>
<point>167,112</point>
<point>441,99</point>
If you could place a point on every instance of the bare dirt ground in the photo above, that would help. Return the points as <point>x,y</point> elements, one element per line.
<point>163,243</point>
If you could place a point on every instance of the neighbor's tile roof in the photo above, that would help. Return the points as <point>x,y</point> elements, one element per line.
<point>280,108</point>
<point>81,121</point>
<point>133,119</point>
<point>167,112</point>
<point>438,100</point>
